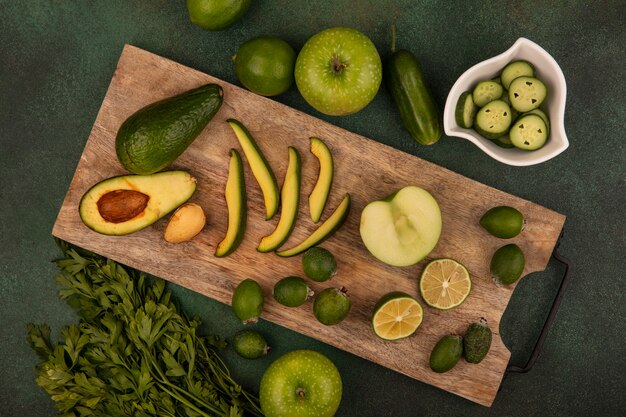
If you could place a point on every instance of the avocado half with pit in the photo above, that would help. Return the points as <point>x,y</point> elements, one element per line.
<point>128,203</point>
<point>402,229</point>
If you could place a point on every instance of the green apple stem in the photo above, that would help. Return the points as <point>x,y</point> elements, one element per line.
<point>301,394</point>
<point>338,66</point>
<point>393,38</point>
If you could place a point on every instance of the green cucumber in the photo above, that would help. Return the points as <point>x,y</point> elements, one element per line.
<point>290,200</point>
<point>529,132</point>
<point>516,69</point>
<point>486,91</point>
<point>235,194</point>
<point>465,110</point>
<point>494,119</point>
<point>319,195</point>
<point>418,110</point>
<point>155,135</point>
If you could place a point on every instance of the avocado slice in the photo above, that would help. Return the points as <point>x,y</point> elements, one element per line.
<point>319,195</point>
<point>323,232</point>
<point>128,203</point>
<point>259,166</point>
<point>237,210</point>
<point>154,136</point>
<point>290,200</point>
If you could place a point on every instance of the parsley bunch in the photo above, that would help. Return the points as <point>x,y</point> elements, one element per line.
<point>133,352</point>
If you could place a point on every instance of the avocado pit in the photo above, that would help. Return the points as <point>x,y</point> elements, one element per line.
<point>119,206</point>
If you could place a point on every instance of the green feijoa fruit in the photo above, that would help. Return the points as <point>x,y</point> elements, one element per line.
<point>331,306</point>
<point>250,344</point>
<point>477,341</point>
<point>503,221</point>
<point>507,264</point>
<point>446,353</point>
<point>247,302</point>
<point>319,264</point>
<point>292,291</point>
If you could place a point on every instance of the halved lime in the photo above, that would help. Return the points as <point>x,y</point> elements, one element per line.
<point>396,315</point>
<point>445,284</point>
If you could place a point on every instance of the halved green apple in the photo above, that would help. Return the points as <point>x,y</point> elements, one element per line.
<point>402,229</point>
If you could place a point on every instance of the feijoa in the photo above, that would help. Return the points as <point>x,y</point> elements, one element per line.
<point>292,291</point>
<point>477,341</point>
<point>250,344</point>
<point>248,301</point>
<point>446,353</point>
<point>319,264</point>
<point>331,306</point>
<point>503,221</point>
<point>507,264</point>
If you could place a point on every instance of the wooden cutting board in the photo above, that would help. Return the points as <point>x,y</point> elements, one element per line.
<point>366,169</point>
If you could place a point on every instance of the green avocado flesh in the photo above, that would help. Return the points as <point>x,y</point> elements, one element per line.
<point>235,194</point>
<point>323,232</point>
<point>319,195</point>
<point>128,203</point>
<point>259,166</point>
<point>290,199</point>
<point>154,136</point>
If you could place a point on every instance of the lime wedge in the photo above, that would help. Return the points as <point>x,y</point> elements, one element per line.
<point>445,284</point>
<point>396,315</point>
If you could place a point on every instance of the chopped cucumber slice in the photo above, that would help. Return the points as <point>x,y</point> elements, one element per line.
<point>494,119</point>
<point>504,142</point>
<point>529,132</point>
<point>486,91</point>
<point>543,115</point>
<point>527,93</point>
<point>514,113</point>
<point>516,69</point>
<point>465,110</point>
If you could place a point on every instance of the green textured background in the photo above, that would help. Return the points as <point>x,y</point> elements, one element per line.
<point>56,60</point>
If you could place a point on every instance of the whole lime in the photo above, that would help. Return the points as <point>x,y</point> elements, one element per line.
<point>216,14</point>
<point>319,264</point>
<point>265,65</point>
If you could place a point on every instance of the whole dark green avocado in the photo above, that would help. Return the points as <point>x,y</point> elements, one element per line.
<point>154,136</point>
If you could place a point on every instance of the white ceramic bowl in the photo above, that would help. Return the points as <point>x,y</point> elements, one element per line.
<point>548,71</point>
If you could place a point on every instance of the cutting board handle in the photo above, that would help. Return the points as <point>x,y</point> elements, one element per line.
<point>550,320</point>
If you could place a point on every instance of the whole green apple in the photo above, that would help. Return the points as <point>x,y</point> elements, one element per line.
<point>301,383</point>
<point>338,71</point>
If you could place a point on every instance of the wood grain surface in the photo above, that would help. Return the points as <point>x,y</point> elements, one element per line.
<point>366,169</point>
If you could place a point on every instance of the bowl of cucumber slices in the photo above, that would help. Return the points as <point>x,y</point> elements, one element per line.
<point>511,106</point>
